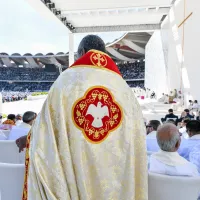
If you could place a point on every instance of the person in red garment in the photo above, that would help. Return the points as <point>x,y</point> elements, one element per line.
<point>88,142</point>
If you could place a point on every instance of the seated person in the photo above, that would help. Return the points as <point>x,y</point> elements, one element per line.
<point>153,95</point>
<point>11,119</point>
<point>18,120</point>
<point>170,116</point>
<point>195,105</point>
<point>182,130</point>
<point>171,97</point>
<point>193,130</point>
<point>24,127</point>
<point>188,115</point>
<point>152,145</point>
<point>162,98</point>
<point>167,161</point>
<point>28,119</point>
<point>152,128</point>
<point>194,156</point>
<point>190,104</point>
<point>198,118</point>
<point>166,100</point>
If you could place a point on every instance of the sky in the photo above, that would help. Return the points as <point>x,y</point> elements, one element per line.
<point>25,30</point>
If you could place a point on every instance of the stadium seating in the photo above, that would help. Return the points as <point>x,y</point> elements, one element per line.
<point>17,79</point>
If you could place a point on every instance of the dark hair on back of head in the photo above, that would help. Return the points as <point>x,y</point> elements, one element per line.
<point>186,120</point>
<point>91,42</point>
<point>193,126</point>
<point>155,124</point>
<point>170,110</point>
<point>187,110</point>
<point>28,116</point>
<point>11,117</point>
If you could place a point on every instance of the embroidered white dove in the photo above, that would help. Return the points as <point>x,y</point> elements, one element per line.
<point>98,113</point>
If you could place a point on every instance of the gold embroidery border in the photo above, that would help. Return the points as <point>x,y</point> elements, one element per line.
<point>85,94</point>
<point>95,64</point>
<point>96,67</point>
<point>27,157</point>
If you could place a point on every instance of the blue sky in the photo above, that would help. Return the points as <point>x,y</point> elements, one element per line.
<point>24,30</point>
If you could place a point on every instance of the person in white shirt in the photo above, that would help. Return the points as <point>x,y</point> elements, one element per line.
<point>182,130</point>
<point>166,100</point>
<point>162,98</point>
<point>195,105</point>
<point>190,105</point>
<point>18,120</point>
<point>152,127</point>
<point>167,161</point>
<point>24,128</point>
<point>193,130</point>
<point>152,145</point>
<point>195,108</point>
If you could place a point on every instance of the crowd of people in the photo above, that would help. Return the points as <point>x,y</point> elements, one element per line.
<point>25,86</point>
<point>27,74</point>
<point>12,78</point>
<point>14,96</point>
<point>134,84</point>
<point>134,70</point>
<point>175,145</point>
<point>18,125</point>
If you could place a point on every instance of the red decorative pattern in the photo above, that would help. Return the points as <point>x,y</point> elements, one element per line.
<point>97,59</point>
<point>25,191</point>
<point>97,114</point>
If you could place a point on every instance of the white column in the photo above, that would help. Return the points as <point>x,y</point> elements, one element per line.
<point>71,49</point>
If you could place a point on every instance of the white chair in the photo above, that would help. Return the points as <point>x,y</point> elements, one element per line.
<point>171,119</point>
<point>9,153</point>
<point>6,133</point>
<point>162,187</point>
<point>149,153</point>
<point>17,132</point>
<point>11,181</point>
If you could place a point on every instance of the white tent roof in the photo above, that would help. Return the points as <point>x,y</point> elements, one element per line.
<point>112,15</point>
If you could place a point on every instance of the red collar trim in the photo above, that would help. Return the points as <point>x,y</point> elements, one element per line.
<point>97,59</point>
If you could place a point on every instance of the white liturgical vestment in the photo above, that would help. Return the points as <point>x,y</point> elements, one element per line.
<point>88,142</point>
<point>171,163</point>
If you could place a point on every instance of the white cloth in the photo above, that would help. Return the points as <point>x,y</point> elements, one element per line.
<point>17,132</point>
<point>195,106</point>
<point>190,106</point>
<point>152,135</point>
<point>18,122</point>
<point>171,163</point>
<point>195,137</point>
<point>166,100</point>
<point>184,133</point>
<point>24,125</point>
<point>162,99</point>
<point>194,156</point>
<point>64,161</point>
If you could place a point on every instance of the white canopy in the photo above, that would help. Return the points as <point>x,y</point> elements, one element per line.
<point>104,15</point>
